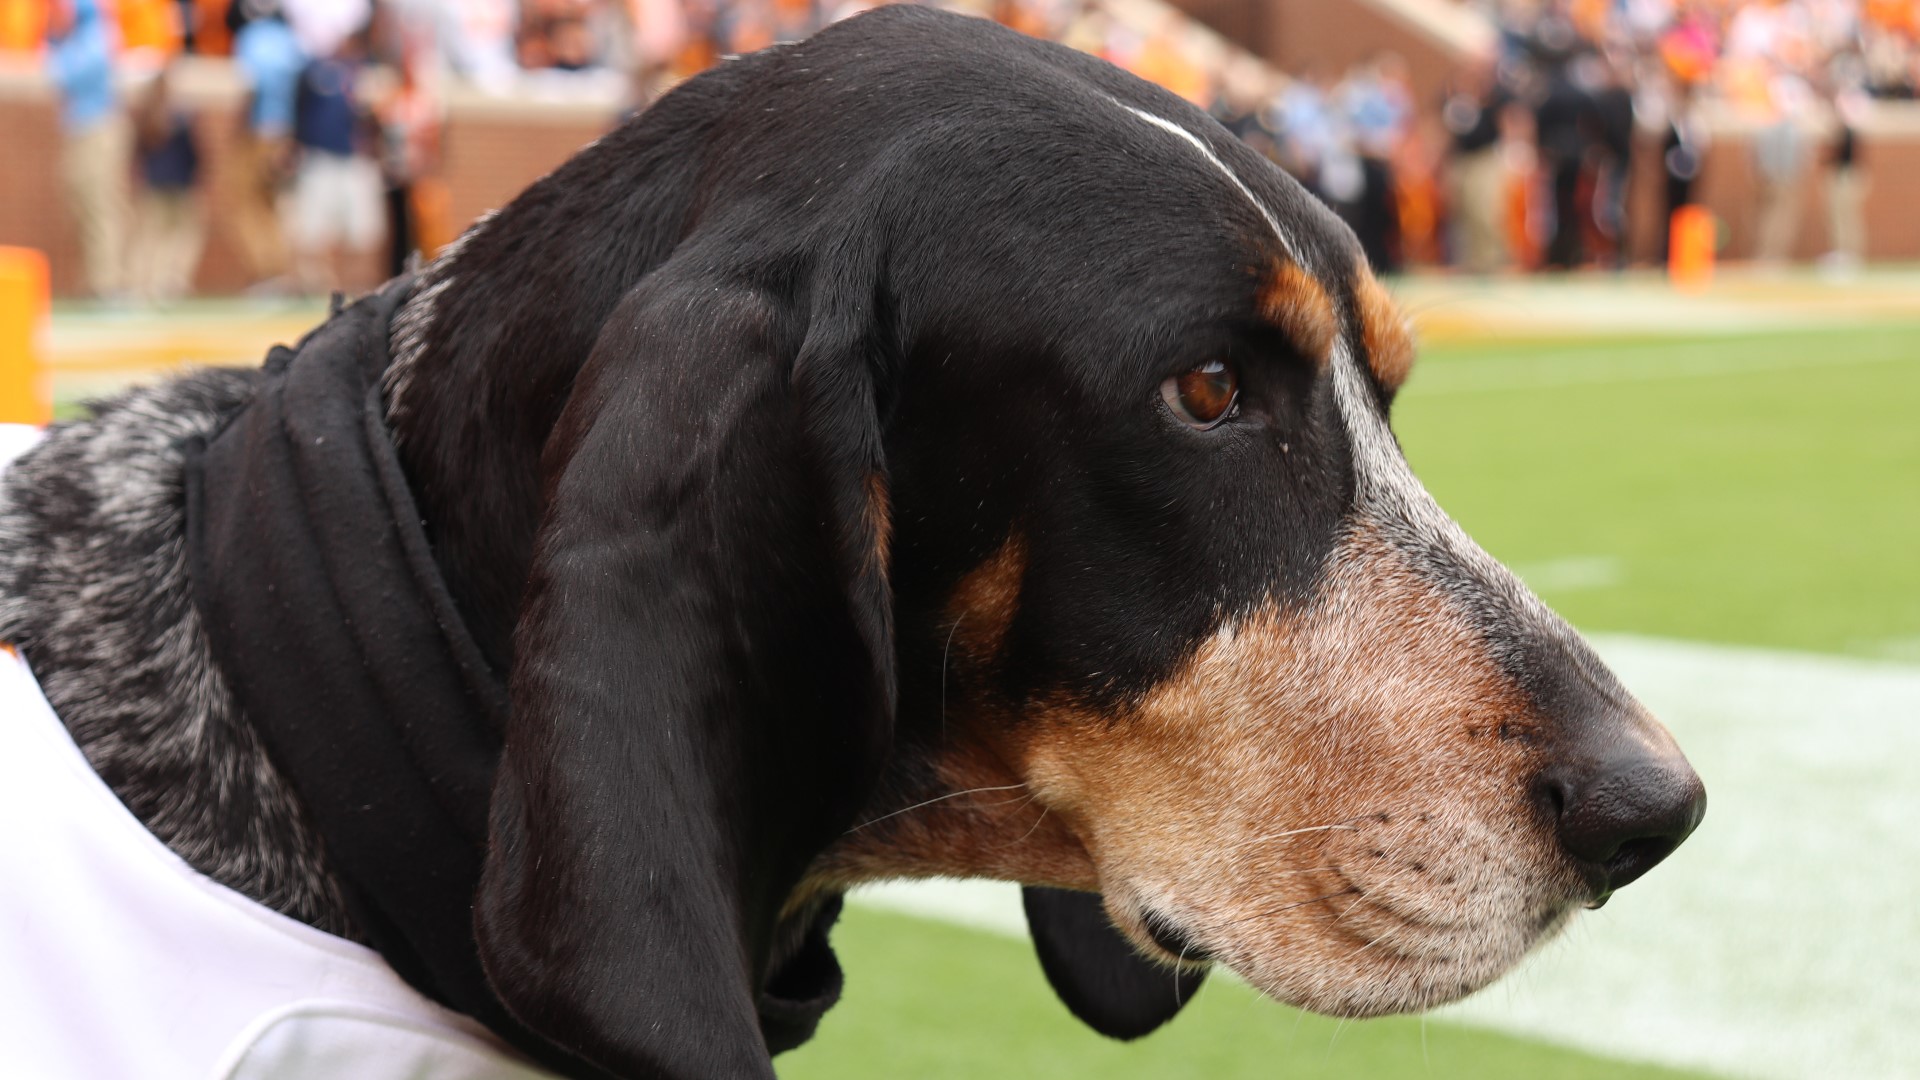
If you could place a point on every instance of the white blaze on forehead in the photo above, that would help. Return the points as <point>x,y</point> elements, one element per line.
<point>1193,140</point>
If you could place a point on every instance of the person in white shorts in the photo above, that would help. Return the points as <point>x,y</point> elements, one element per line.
<point>338,217</point>
<point>337,203</point>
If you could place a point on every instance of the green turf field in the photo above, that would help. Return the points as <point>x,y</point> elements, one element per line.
<point>989,1014</point>
<point>1754,490</point>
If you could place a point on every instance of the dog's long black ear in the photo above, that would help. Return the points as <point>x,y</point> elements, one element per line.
<point>703,685</point>
<point>1097,973</point>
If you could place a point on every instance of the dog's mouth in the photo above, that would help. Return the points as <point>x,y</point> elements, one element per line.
<point>1428,921</point>
<point>1173,939</point>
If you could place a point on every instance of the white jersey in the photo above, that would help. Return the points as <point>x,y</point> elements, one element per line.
<point>118,961</point>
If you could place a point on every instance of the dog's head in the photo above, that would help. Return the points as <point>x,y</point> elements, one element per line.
<point>993,478</point>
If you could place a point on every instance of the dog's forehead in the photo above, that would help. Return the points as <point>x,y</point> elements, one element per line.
<point>1217,206</point>
<point>1014,176</point>
<point>1209,193</point>
<point>1313,267</point>
<point>1299,229</point>
<point>1308,262</point>
<point>1134,235</point>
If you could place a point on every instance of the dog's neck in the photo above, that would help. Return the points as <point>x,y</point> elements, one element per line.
<point>483,362</point>
<point>469,412</point>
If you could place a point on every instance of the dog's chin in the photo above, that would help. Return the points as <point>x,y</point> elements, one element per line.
<point>1369,963</point>
<point>1397,984</point>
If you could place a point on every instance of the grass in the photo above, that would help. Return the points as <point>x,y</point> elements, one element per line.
<point>1755,490</point>
<point>989,1013</point>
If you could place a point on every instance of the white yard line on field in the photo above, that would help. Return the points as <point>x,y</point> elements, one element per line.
<point>1599,367</point>
<point>1571,573</point>
<point>1906,649</point>
<point>1783,941</point>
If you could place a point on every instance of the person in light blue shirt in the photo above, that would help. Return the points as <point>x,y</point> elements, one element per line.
<point>270,59</point>
<point>97,156</point>
<point>80,59</point>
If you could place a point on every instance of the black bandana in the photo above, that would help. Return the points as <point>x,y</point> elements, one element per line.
<point>340,642</point>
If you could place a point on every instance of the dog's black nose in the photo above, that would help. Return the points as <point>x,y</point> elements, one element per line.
<point>1619,817</point>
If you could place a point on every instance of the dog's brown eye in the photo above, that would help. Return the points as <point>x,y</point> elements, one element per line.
<point>1203,395</point>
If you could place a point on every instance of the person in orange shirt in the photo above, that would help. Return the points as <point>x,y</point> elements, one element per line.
<point>211,34</point>
<point>152,27</point>
<point>1897,15</point>
<point>23,26</point>
<point>409,117</point>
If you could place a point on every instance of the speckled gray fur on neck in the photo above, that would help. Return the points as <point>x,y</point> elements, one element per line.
<point>94,590</point>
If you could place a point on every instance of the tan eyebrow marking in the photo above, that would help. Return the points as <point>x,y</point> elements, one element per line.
<point>1295,302</point>
<point>1384,331</point>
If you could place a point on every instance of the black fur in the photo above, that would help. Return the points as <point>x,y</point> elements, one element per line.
<point>916,247</point>
<point>658,413</point>
<point>916,250</point>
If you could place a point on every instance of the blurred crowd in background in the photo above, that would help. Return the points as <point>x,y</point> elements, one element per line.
<point>1524,161</point>
<point>345,101</point>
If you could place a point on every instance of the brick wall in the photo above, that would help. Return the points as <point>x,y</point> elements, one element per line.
<point>1332,35</point>
<point>30,204</point>
<point>492,150</point>
<point>491,153</point>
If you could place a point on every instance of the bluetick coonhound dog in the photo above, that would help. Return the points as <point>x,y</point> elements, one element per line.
<point>920,450</point>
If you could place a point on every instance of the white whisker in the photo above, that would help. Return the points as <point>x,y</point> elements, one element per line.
<point>1181,966</point>
<point>1036,825</point>
<point>945,654</point>
<point>935,799</point>
<point>1339,825</point>
<point>1384,936</point>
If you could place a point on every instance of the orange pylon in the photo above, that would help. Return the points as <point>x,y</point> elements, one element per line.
<point>25,296</point>
<point>1691,242</point>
